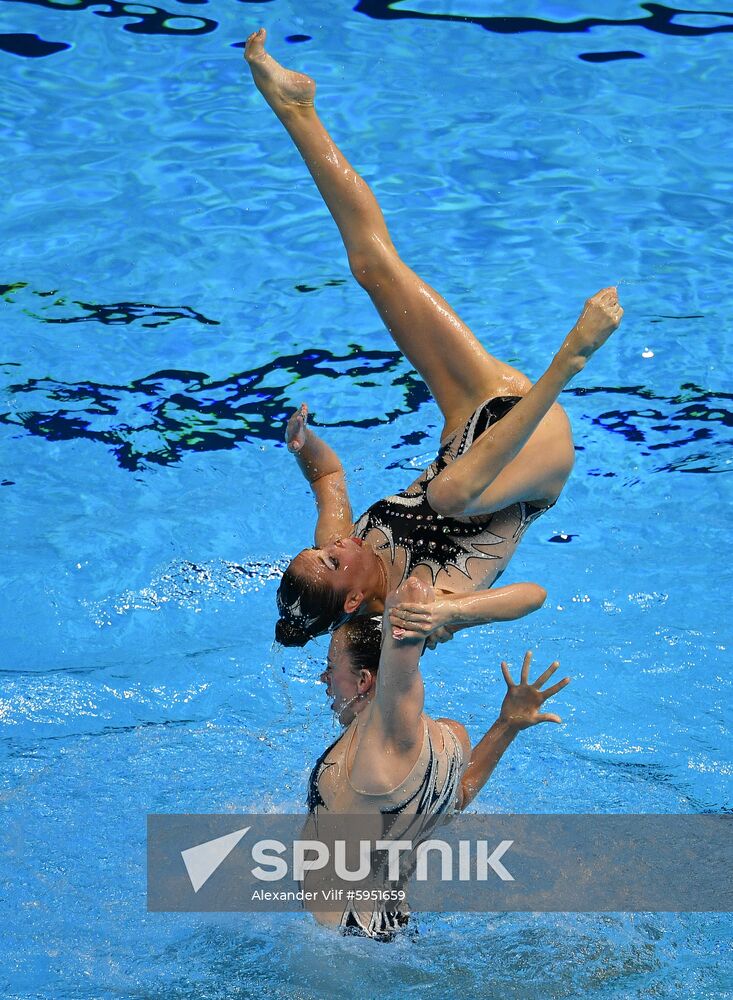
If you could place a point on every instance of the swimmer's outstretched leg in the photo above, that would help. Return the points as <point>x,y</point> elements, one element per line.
<point>458,371</point>
<point>512,460</point>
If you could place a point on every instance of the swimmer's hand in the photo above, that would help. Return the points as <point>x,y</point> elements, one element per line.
<point>449,613</point>
<point>413,593</point>
<point>443,634</point>
<point>519,709</point>
<point>423,621</point>
<point>601,315</point>
<point>295,432</point>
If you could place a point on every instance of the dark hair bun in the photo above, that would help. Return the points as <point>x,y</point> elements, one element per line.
<point>288,634</point>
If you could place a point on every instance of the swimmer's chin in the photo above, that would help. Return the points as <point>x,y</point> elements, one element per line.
<point>338,714</point>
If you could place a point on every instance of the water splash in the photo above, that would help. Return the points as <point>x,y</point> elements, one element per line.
<point>189,585</point>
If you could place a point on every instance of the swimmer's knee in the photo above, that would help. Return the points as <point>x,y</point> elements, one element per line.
<point>443,498</point>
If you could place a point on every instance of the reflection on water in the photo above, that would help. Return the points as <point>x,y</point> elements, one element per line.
<point>160,417</point>
<point>147,19</point>
<point>659,18</point>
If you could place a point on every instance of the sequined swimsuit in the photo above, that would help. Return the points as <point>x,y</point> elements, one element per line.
<point>427,538</point>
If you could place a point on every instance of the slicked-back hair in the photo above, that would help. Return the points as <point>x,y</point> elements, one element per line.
<point>363,638</point>
<point>320,608</point>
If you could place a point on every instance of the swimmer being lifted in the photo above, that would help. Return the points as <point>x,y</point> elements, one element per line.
<point>506,449</point>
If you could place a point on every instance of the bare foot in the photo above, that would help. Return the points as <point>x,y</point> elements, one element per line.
<point>281,88</point>
<point>601,315</point>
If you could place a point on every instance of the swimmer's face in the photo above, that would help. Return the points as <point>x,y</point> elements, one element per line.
<point>346,688</point>
<point>342,566</point>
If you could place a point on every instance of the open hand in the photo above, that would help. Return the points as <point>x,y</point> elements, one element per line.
<point>522,701</point>
<point>295,431</point>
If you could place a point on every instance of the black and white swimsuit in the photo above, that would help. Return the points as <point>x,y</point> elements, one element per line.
<point>409,811</point>
<point>408,522</point>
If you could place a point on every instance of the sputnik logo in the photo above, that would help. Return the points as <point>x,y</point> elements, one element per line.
<point>202,861</point>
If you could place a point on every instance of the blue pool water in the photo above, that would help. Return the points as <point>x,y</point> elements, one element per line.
<point>173,288</point>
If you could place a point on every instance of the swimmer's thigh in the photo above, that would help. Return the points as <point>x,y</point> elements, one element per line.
<point>458,370</point>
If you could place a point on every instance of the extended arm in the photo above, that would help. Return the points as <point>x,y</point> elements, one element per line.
<point>484,757</point>
<point>400,690</point>
<point>456,611</point>
<point>391,735</point>
<point>519,711</point>
<point>322,468</point>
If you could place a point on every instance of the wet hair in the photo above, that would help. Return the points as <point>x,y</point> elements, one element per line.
<point>307,609</point>
<point>363,643</point>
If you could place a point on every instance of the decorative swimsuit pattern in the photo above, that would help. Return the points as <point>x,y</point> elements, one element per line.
<point>427,538</point>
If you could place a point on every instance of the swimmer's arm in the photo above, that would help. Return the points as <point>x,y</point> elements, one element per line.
<point>484,757</point>
<point>324,472</point>
<point>457,611</point>
<point>400,693</point>
<point>335,519</point>
<point>394,726</point>
<point>519,710</point>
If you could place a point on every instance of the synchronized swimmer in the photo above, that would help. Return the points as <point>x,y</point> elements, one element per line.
<point>424,561</point>
<point>506,448</point>
<point>395,761</point>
